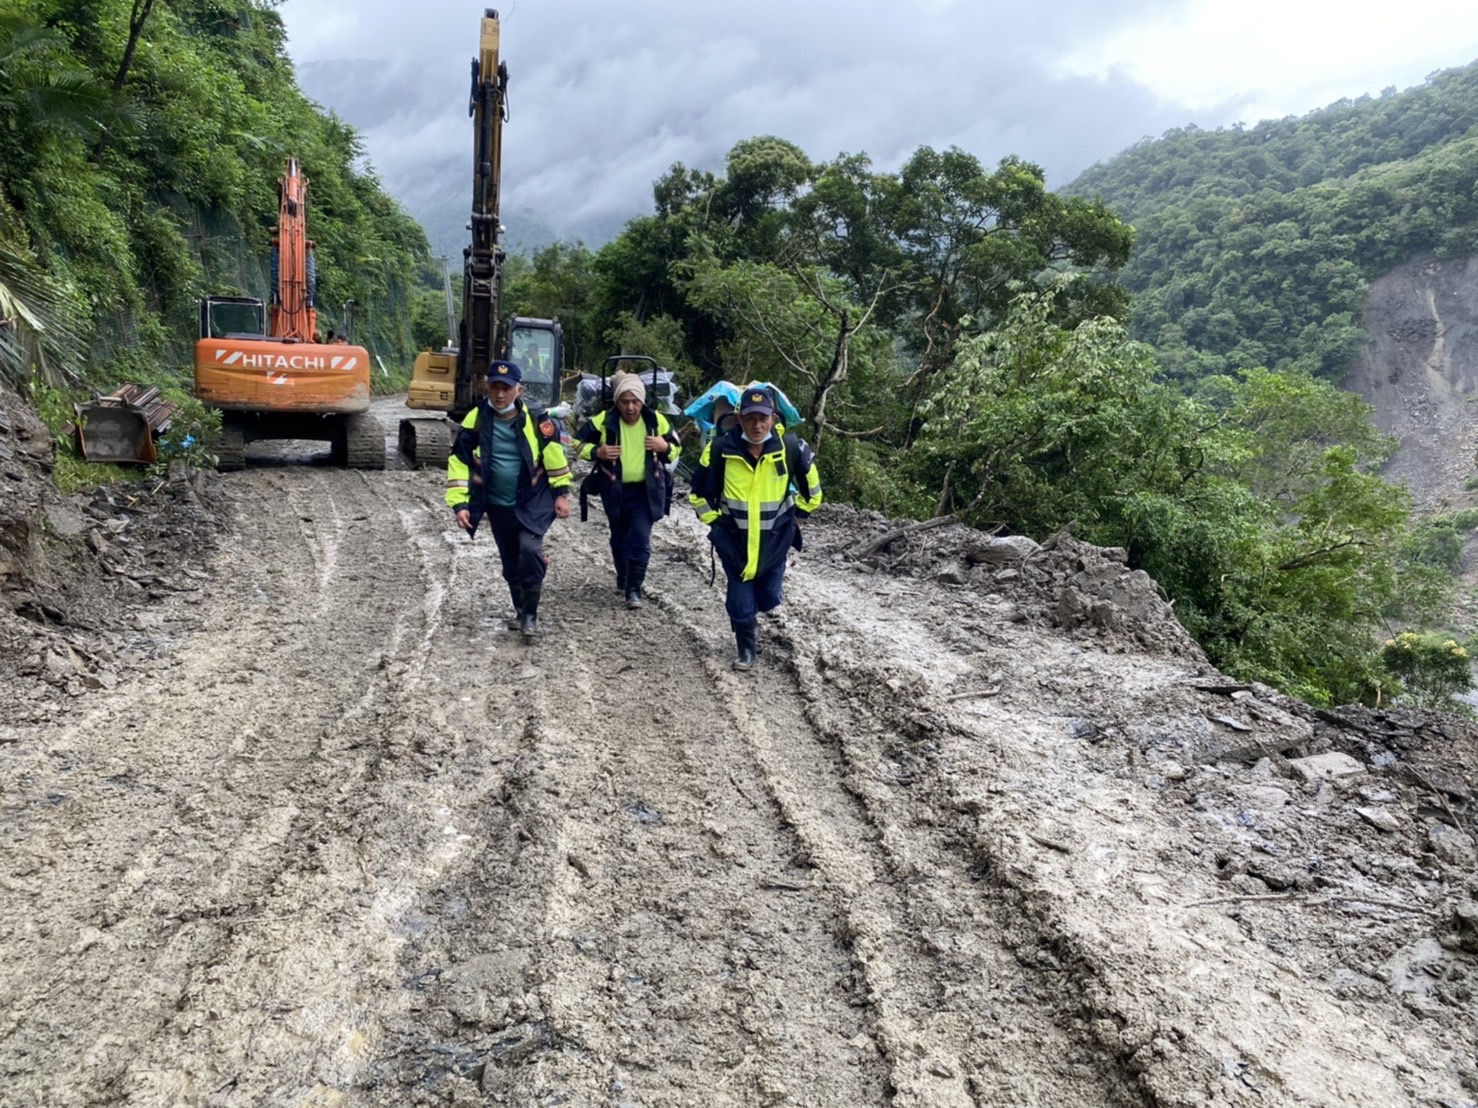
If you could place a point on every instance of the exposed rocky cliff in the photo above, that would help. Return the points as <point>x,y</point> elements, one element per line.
<point>1420,370</point>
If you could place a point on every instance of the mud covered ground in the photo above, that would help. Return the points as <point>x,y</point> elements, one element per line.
<point>289,817</point>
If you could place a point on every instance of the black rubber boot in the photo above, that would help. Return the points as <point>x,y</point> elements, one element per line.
<point>515,621</point>
<point>746,639</point>
<point>636,577</point>
<point>623,567</point>
<point>528,616</point>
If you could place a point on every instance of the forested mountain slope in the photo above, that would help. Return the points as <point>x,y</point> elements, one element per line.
<point>140,145</point>
<point>1257,245</point>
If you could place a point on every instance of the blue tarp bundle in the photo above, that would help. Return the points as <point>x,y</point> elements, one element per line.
<point>700,411</point>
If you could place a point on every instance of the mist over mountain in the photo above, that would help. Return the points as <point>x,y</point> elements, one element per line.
<point>604,101</point>
<point>590,130</point>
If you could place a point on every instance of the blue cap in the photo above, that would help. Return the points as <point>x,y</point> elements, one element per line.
<point>756,400</point>
<point>505,371</point>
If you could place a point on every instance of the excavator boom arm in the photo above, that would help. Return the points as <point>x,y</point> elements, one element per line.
<point>483,258</point>
<point>293,275</point>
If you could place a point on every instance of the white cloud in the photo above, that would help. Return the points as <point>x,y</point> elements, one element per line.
<point>1273,58</point>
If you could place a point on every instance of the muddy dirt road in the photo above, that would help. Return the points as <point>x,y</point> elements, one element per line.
<point>978,831</point>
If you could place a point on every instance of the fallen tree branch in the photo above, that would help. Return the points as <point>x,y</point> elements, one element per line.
<point>1051,844</point>
<point>835,430</point>
<point>953,698</point>
<point>911,529</point>
<point>944,497</point>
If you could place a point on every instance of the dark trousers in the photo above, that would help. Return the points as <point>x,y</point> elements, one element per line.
<point>630,514</point>
<point>744,600</point>
<point>520,550</point>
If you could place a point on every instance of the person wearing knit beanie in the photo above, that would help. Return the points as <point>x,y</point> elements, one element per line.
<point>632,447</point>
<point>624,383</point>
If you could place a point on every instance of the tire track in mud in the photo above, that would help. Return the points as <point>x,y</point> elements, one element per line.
<point>647,924</point>
<point>1031,1006</point>
<point>404,859</point>
<point>340,996</point>
<point>202,828</point>
<point>962,1015</point>
<point>732,902</point>
<point>1008,1010</point>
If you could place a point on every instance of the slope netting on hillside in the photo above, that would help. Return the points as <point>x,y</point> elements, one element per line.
<point>230,262</point>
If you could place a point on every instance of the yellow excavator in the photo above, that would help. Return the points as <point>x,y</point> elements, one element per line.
<point>450,380</point>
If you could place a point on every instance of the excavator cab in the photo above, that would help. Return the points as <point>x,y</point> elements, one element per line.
<point>537,345</point>
<point>232,317</point>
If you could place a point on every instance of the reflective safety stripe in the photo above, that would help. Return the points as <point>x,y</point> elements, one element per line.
<point>456,484</point>
<point>553,473</point>
<point>769,512</point>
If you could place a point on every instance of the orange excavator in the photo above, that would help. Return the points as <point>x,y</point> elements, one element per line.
<point>267,370</point>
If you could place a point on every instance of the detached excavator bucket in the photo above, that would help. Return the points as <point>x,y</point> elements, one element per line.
<point>122,427</point>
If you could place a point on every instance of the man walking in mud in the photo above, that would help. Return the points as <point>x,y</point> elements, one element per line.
<point>507,464</point>
<point>751,488</point>
<point>631,446</point>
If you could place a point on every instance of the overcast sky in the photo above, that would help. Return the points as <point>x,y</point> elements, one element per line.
<point>605,96</point>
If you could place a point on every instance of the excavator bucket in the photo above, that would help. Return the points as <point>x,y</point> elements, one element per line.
<point>122,427</point>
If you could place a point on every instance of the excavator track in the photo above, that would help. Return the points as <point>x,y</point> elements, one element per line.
<point>231,446</point>
<point>363,442</point>
<point>427,442</point>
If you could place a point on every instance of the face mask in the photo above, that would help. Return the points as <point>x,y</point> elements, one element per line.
<point>754,441</point>
<point>506,410</point>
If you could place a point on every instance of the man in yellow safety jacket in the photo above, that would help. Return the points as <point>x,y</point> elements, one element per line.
<point>507,464</point>
<point>752,487</point>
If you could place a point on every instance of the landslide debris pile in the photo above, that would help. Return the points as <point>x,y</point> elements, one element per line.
<point>81,576</point>
<point>1062,584</point>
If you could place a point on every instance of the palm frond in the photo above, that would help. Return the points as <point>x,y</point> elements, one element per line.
<point>34,309</point>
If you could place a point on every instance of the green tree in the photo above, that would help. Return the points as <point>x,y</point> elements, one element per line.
<point>559,282</point>
<point>1036,424</point>
<point>1256,505</point>
<point>969,238</point>
<point>1309,566</point>
<point>1431,668</point>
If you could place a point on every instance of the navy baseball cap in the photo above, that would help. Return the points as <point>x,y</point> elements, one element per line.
<point>505,371</point>
<point>756,400</point>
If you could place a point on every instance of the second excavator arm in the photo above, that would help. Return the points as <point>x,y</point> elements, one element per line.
<point>482,276</point>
